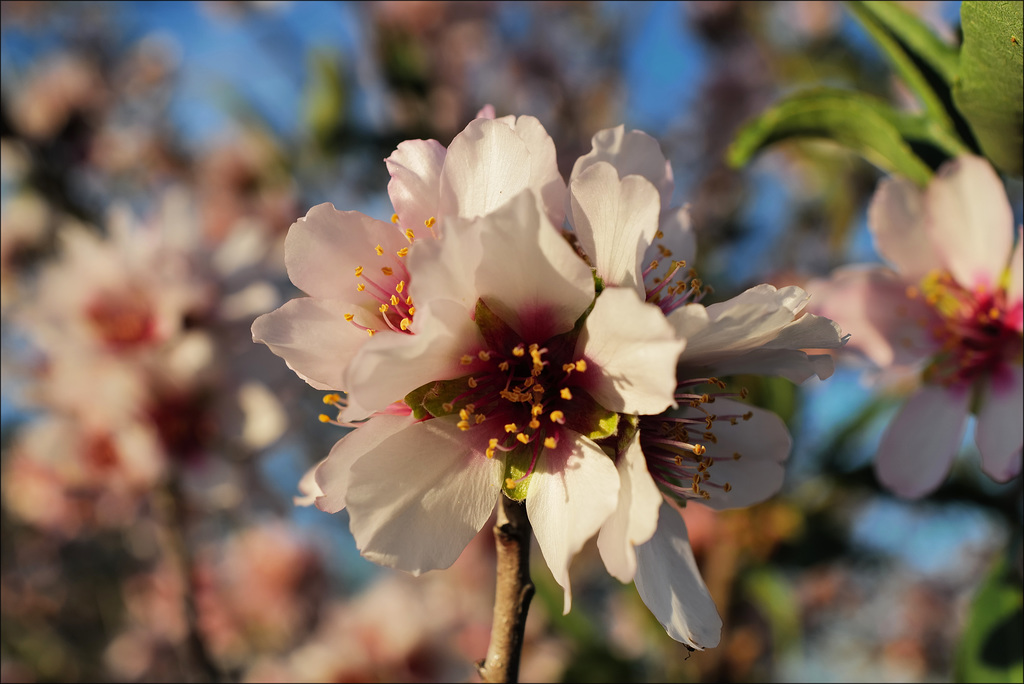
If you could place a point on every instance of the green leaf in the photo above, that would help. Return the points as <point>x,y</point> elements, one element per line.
<point>990,89</point>
<point>990,650</point>
<point>925,63</point>
<point>863,124</point>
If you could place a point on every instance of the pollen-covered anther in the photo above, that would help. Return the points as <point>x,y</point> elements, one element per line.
<point>523,437</point>
<point>404,325</point>
<point>394,218</point>
<point>471,382</point>
<point>430,222</point>
<point>403,252</point>
<point>379,250</point>
<point>466,360</point>
<point>387,270</point>
<point>409,235</point>
<point>503,366</point>
<point>581,365</point>
<point>383,308</point>
<point>534,424</point>
<point>699,449</point>
<point>479,418</point>
<point>359,271</point>
<point>511,427</point>
<point>727,487</point>
<point>349,317</point>
<point>394,300</point>
<point>463,425</point>
<point>518,350</point>
<point>748,415</point>
<point>565,393</point>
<point>400,286</point>
<point>332,398</point>
<point>483,355</point>
<point>550,442</point>
<point>324,418</point>
<point>557,417</point>
<point>360,287</point>
<point>448,408</point>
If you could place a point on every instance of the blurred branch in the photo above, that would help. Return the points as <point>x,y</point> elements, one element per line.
<point>512,596</point>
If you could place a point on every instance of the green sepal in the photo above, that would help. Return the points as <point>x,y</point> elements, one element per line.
<point>589,418</point>
<point>429,399</point>
<point>517,463</point>
<point>618,441</point>
<point>498,335</point>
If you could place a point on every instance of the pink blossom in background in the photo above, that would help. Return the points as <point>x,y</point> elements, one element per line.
<point>947,307</point>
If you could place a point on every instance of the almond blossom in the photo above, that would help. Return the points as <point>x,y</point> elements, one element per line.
<point>708,447</point>
<point>946,309</point>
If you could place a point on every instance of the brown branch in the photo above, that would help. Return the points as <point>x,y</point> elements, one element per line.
<point>512,596</point>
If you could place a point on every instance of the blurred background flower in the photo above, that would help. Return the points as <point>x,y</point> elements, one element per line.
<point>153,156</point>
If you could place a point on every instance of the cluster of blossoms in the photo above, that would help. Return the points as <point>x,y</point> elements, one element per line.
<point>508,334</point>
<point>947,310</point>
<point>126,334</point>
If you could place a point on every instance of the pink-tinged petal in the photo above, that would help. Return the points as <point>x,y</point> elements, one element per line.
<point>390,366</point>
<point>1015,284</point>
<point>871,304</point>
<point>896,217</point>
<point>529,275</point>
<point>615,221</point>
<point>669,582</point>
<point>970,221</point>
<point>635,518</point>
<point>331,475</point>
<point>793,364</point>
<point>486,112</point>
<point>999,432</point>
<point>748,455</point>
<point>313,338</point>
<point>545,178</point>
<point>308,488</point>
<point>630,153</point>
<point>572,493</point>
<point>919,445</point>
<point>631,351</point>
<point>486,166</point>
<point>415,185</point>
<point>323,249</point>
<point>678,242</point>
<point>417,499</point>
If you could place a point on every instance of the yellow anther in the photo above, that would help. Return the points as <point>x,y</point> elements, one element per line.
<point>503,366</point>
<point>359,271</point>
<point>383,308</point>
<point>523,437</point>
<point>404,325</point>
<point>463,425</point>
<point>379,250</point>
<point>748,415</point>
<point>528,382</point>
<point>565,393</point>
<point>518,350</point>
<point>448,408</point>
<point>550,443</point>
<point>394,218</point>
<point>568,367</point>
<point>394,300</point>
<point>480,418</point>
<point>492,443</point>
<point>349,317</point>
<point>471,382</point>
<point>360,287</point>
<point>463,414</point>
<point>557,417</point>
<point>509,483</point>
<point>581,365</point>
<point>511,427</point>
<point>409,235</point>
<point>412,309</point>
<point>403,252</point>
<point>429,223</point>
<point>400,286</point>
<point>466,360</point>
<point>371,332</point>
<point>483,355</point>
<point>534,424</point>
<point>386,270</point>
<point>699,449</point>
<point>332,398</point>
<point>659,235</point>
<point>654,265</point>
<point>324,418</point>
<point>536,410</point>
<point>727,487</point>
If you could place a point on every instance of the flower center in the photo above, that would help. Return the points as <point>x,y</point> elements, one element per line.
<point>517,398</point>
<point>385,284</point>
<point>974,330</point>
<point>680,446</point>
<point>122,320</point>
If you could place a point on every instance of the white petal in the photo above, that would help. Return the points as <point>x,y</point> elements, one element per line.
<point>420,496</point>
<point>635,518</point>
<point>999,432</point>
<point>871,304</point>
<point>487,165</point>
<point>415,185</point>
<point>570,497</point>
<point>669,582</point>
<point>313,338</point>
<point>970,221</point>
<point>919,445</point>
<point>808,332</point>
<point>630,153</point>
<point>390,366</point>
<point>332,474</point>
<point>763,445</point>
<point>545,178</point>
<point>794,365</point>
<point>896,217</point>
<point>632,353</point>
<point>529,275</point>
<point>615,221</point>
<point>308,488</point>
<point>323,249</point>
